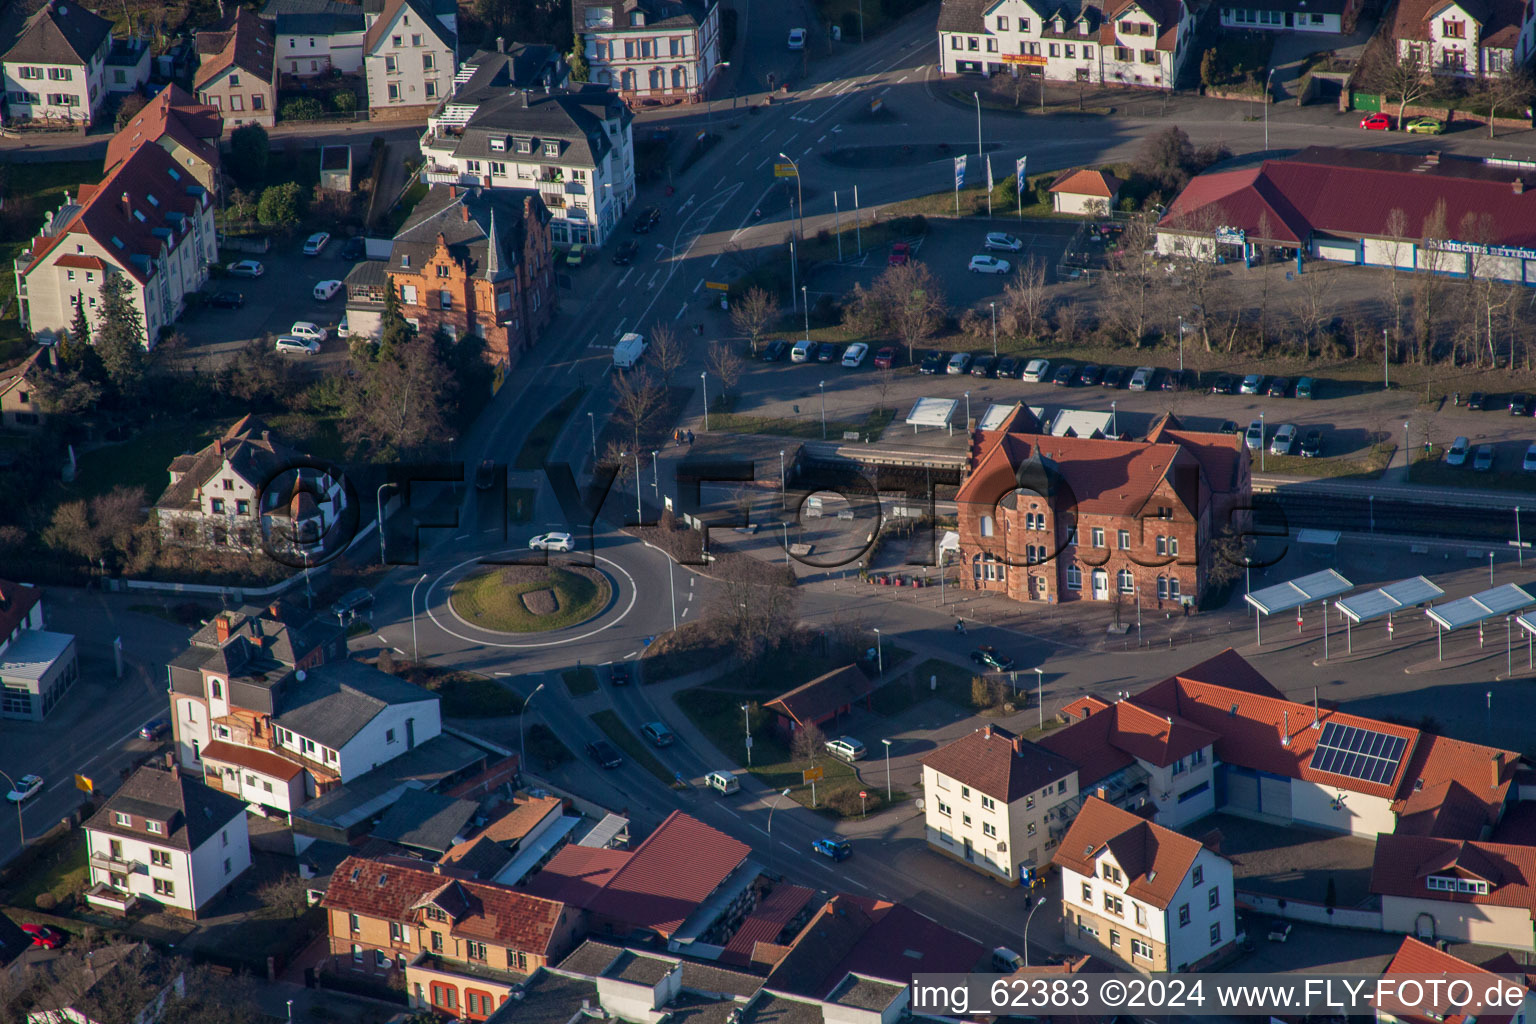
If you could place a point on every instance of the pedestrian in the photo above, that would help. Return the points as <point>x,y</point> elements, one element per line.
<point>690,438</point>
<point>1028,899</point>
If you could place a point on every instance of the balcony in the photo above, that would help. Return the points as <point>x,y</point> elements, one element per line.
<point>449,176</point>
<point>107,862</point>
<point>467,969</point>
<point>103,895</point>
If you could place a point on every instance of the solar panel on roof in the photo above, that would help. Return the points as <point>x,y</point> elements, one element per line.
<point>1357,753</point>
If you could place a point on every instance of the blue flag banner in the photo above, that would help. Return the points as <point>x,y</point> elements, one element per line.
<point>1018,169</point>
<point>989,174</point>
<point>959,171</point>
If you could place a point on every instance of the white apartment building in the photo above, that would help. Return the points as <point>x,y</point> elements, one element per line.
<point>1465,40</point>
<point>316,37</point>
<point>166,838</point>
<point>991,799</point>
<point>149,219</point>
<point>411,58</point>
<point>574,145</point>
<point>1143,896</point>
<point>54,68</point>
<point>650,50</point>
<point>351,718</point>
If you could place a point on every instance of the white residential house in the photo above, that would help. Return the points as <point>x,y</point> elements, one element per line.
<point>1465,40</point>
<point>167,838</point>
<point>651,51</point>
<point>127,65</point>
<point>997,802</point>
<point>316,37</point>
<point>1328,16</point>
<point>411,58</point>
<point>54,65</point>
<point>574,145</point>
<point>1143,896</point>
<point>1146,42</point>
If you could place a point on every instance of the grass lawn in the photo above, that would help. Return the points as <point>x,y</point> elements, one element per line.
<point>808,427</point>
<point>614,728</point>
<point>544,747</point>
<point>973,198</point>
<point>1366,462</point>
<point>1436,473</point>
<point>520,504</point>
<point>469,694</point>
<point>535,449</point>
<point>141,461</point>
<point>60,871</point>
<point>580,681</point>
<point>529,598</point>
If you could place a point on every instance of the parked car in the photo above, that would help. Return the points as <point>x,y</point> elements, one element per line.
<point>1001,241</point>
<point>1141,380</point>
<point>886,357</point>
<point>343,329</point>
<point>619,673</point>
<point>1253,437</point>
<point>658,734</point>
<point>1477,401</point>
<point>326,290</point>
<point>1279,387</point>
<point>1283,439</point>
<point>1456,454</point>
<point>603,753</point>
<point>1089,373</point>
<point>854,354</point>
<point>288,344</point>
<point>550,542</point>
<point>352,602</point>
<point>722,782</point>
<point>847,748</point>
<point>774,351</point>
<point>933,361</point>
<point>1115,376</point>
<point>797,39</point>
<point>1178,380</point>
<point>1520,404</point>
<point>354,249</point>
<point>576,255</point>
<point>1376,123</point>
<point>837,849</point>
<point>827,352</point>
<point>1312,444</point>
<point>803,351</point>
<point>155,729</point>
<point>991,657</point>
<point>1279,931</point>
<point>1008,367</point>
<point>1529,462</point>
<point>226,300</point>
<point>1252,384</point>
<point>43,937</point>
<point>1305,386</point>
<point>989,265</point>
<point>647,219</point>
<point>983,366</point>
<point>901,252</point>
<point>625,252</point>
<point>1036,370</point>
<point>1424,126</point>
<point>1482,458</point>
<point>1223,384</point>
<point>1065,376</point>
<point>245,268</point>
<point>29,786</point>
<point>315,243</point>
<point>309,331</point>
<point>485,475</point>
<point>959,363</point>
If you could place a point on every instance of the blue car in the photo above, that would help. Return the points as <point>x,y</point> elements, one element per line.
<point>837,849</point>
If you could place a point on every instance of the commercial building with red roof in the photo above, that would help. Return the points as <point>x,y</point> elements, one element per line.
<point>1143,896</point>
<point>1049,519</point>
<point>1418,211</point>
<point>1419,959</point>
<point>997,803</point>
<point>821,701</point>
<point>1456,889</point>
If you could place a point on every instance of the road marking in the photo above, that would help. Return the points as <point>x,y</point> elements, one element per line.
<point>715,260</point>
<point>858,883</point>
<point>903,78</point>
<point>685,613</point>
<point>652,282</point>
<point>699,285</point>
<point>807,151</point>
<point>462,536</point>
<point>787,141</point>
<point>483,641</point>
<point>627,272</point>
<point>631,654</point>
<point>503,673</point>
<point>605,664</point>
<point>740,159</point>
<point>818,89</point>
<point>382,638</point>
<point>885,90</point>
<point>732,813</point>
<point>760,163</point>
<point>786,846</point>
<point>760,829</point>
<point>680,311</point>
<point>620,328</point>
<point>822,139</point>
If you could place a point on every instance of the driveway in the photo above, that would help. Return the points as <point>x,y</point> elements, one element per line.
<point>1292,48</point>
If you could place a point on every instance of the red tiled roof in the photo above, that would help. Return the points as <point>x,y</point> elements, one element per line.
<point>1086,182</point>
<point>824,695</point>
<point>172,113</point>
<point>766,921</point>
<point>16,602</point>
<point>1451,787</point>
<point>390,890</point>
<point>576,874</point>
<point>1518,825</point>
<point>1404,862</point>
<point>1231,670</point>
<point>263,761</point>
<point>1164,13</point>
<point>1154,859</point>
<point>670,874</point>
<point>1498,21</point>
<point>1417,958</point>
<point>995,762</point>
<point>242,40</point>
<point>80,261</point>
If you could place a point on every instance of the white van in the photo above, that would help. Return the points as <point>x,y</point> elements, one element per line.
<point>724,783</point>
<point>802,351</point>
<point>628,351</point>
<point>1006,960</point>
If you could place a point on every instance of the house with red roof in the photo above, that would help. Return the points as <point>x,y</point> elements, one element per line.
<point>1415,959</point>
<point>1143,896</point>
<point>37,666</point>
<point>189,131</point>
<point>1465,38</point>
<point>1456,889</point>
<point>236,71</point>
<point>1044,518</point>
<point>1087,192</point>
<point>992,800</point>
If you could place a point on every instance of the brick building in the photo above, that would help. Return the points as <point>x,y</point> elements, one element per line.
<point>1045,518</point>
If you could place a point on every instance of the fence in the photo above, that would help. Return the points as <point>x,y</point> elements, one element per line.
<point>1312,913</point>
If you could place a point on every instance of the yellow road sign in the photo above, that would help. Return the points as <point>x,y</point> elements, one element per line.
<point>784,171</point>
<point>717,286</point>
<point>812,775</point>
<point>84,784</point>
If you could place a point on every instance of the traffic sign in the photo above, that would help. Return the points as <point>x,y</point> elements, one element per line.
<point>812,775</point>
<point>718,286</point>
<point>785,171</point>
<point>863,795</point>
<point>83,784</point>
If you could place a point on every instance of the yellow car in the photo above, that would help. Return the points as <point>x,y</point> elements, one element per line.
<point>1424,126</point>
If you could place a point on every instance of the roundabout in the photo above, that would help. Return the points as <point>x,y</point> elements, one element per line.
<point>529,598</point>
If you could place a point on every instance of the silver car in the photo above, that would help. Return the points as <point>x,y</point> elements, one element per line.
<point>846,748</point>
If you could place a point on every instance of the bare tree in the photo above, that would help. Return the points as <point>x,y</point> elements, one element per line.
<point>1264,280</point>
<point>1427,286</point>
<point>726,364</point>
<point>1194,256</point>
<point>668,353</point>
<point>1402,74</point>
<point>106,524</point>
<point>637,398</point>
<point>210,998</point>
<point>286,893</point>
<point>1510,90</point>
<point>753,313</point>
<point>809,743</point>
<point>1068,323</point>
<point>1312,306</point>
<point>754,616</point>
<point>1025,305</point>
<point>1134,282</point>
<point>883,381</point>
<point>912,302</point>
<point>1397,248</point>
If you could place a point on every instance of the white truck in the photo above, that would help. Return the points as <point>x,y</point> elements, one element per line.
<point>628,351</point>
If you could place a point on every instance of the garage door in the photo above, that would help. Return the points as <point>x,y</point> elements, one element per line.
<point>1242,789</point>
<point>1275,795</point>
<point>1343,252</point>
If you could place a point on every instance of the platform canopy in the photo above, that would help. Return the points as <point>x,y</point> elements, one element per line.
<point>1282,597</point>
<point>1393,597</point>
<point>932,412</point>
<point>1468,611</point>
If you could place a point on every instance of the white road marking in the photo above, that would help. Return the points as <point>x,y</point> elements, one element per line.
<point>699,285</point>
<point>822,139</point>
<point>858,883</point>
<point>786,846</point>
<point>732,813</point>
<point>680,311</point>
<point>820,87</point>
<point>382,638</point>
<point>714,261</point>
<point>619,329</point>
<point>787,141</point>
<point>760,163</point>
<point>462,536</point>
<point>760,829</point>
<point>503,673</point>
<point>903,78</point>
<point>652,282</point>
<point>808,150</point>
<point>627,272</point>
<point>740,159</point>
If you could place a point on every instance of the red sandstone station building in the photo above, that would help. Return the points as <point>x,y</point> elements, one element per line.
<point>1048,519</point>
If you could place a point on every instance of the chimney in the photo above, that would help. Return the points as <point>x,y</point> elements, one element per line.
<point>127,207</point>
<point>501,44</point>
<point>1518,185</point>
<point>1496,764</point>
<point>218,446</point>
<point>1101,793</point>
<point>221,628</point>
<point>987,731</point>
<point>275,610</point>
<point>453,191</point>
<point>464,212</point>
<point>1285,735</point>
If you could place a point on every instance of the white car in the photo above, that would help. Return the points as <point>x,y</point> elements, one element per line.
<point>797,39</point>
<point>847,748</point>
<point>551,542</point>
<point>1284,438</point>
<point>1253,437</point>
<point>1001,241</point>
<point>854,354</point>
<point>1456,455</point>
<point>27,787</point>
<point>1529,463</point>
<point>245,268</point>
<point>989,265</point>
<point>316,242</point>
<point>326,289</point>
<point>1251,384</point>
<point>1036,370</point>
<point>1142,378</point>
<point>287,343</point>
<point>311,332</point>
<point>959,363</point>
<point>342,329</point>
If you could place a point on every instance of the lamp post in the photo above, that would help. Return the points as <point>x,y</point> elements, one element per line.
<point>1040,694</point>
<point>805,304</point>
<point>415,651</point>
<point>1261,440</point>
<point>994,328</point>
<point>1027,921</point>
<point>704,382</point>
<point>887,770</point>
<point>1114,423</point>
<point>800,190</point>
<point>378,500</point>
<point>879,654</point>
<point>522,750</point>
<point>977,96</point>
<point>1267,80</point>
<point>1386,381</point>
<point>1407,445</point>
<point>746,717</point>
<point>20,827</point>
<point>655,477</point>
<point>638,514</point>
<point>823,386</point>
<point>786,542</point>
<point>782,497</point>
<point>967,410</point>
<point>592,423</point>
<point>782,794</point>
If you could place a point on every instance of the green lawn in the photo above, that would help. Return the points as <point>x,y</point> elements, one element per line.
<point>471,695</point>
<point>501,598</point>
<point>580,681</point>
<point>808,426</point>
<point>614,728</point>
<point>535,450</point>
<point>60,871</point>
<point>142,460</point>
<point>1367,462</point>
<point>1436,473</point>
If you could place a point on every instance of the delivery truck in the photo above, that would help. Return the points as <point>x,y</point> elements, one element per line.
<point>628,351</point>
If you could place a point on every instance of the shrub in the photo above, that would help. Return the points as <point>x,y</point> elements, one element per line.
<point>345,100</point>
<point>46,901</point>
<point>303,109</point>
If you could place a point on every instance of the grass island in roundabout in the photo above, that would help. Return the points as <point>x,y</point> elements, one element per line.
<point>530,598</point>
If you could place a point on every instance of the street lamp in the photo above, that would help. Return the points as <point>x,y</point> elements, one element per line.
<point>746,717</point>
<point>823,386</point>
<point>805,304</point>
<point>415,651</point>
<point>967,410</point>
<point>1040,694</point>
<point>800,190</point>
<point>1261,440</point>
<point>977,96</point>
<point>378,500</point>
<point>781,478</point>
<point>1114,423</point>
<point>887,770</point>
<point>638,514</point>
<point>1267,80</point>
<point>592,423</point>
<point>782,794</point>
<point>704,379</point>
<point>1027,921</point>
<point>20,827</point>
<point>655,477</point>
<point>879,655</point>
<point>994,328</point>
<point>522,750</point>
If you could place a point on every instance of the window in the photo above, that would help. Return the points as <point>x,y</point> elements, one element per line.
<point>437,942</point>
<point>1183,914</point>
<point>986,526</point>
<point>155,827</point>
<point>1074,578</point>
<point>1029,828</point>
<point>390,64</point>
<point>394,93</point>
<point>258,101</point>
<point>1214,897</point>
<point>1149,56</point>
<point>435,913</point>
<point>354,924</point>
<point>475,950</point>
<point>165,887</point>
<point>445,298</point>
<point>973,43</point>
<point>397,40</point>
<point>945,809</point>
<point>1055,49</point>
<point>119,818</point>
<point>389,735</point>
<point>1142,949</point>
<point>991,45</point>
<point>954,42</point>
<point>416,39</point>
<point>430,88</point>
<point>428,61</point>
<point>1124,536</point>
<point>217,506</point>
<point>242,506</point>
<point>1098,536</point>
<point>989,829</point>
<point>1114,904</point>
<point>1123,54</point>
<point>60,74</point>
<point>1190,794</point>
<point>397,932</point>
<point>1127,581</point>
<point>1141,915</point>
<point>236,102</point>
<point>1453,29</point>
<point>1002,24</point>
<point>1199,875</point>
<point>965,819</point>
<point>988,804</point>
<point>1088,894</point>
<point>1071,51</point>
<point>160,858</point>
<point>380,960</point>
<point>1215,933</point>
<point>552,148</point>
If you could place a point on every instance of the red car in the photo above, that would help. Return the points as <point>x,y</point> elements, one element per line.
<point>44,936</point>
<point>900,253</point>
<point>1376,123</point>
<point>885,358</point>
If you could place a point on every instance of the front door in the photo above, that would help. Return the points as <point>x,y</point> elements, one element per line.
<point>1040,588</point>
<point>968,855</point>
<point>1290,20</point>
<point>1100,585</point>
